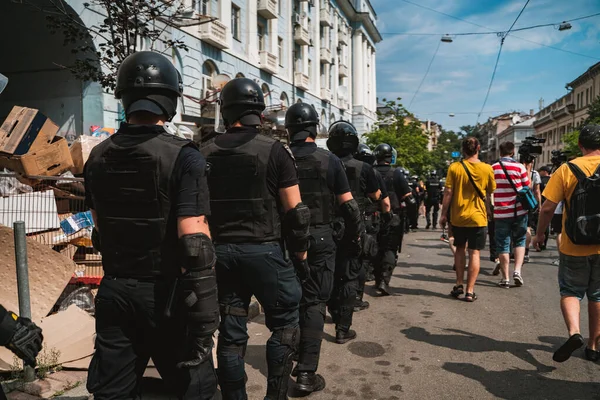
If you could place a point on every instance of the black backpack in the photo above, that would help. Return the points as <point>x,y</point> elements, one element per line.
<point>583,210</point>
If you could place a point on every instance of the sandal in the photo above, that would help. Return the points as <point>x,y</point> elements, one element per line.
<point>470,297</point>
<point>457,291</point>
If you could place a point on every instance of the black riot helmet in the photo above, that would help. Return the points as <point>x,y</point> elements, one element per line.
<point>242,100</point>
<point>301,121</point>
<point>365,154</point>
<point>433,174</point>
<point>384,152</point>
<point>343,138</point>
<point>148,81</point>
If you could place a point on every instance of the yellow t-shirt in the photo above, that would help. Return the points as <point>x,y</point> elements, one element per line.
<point>467,209</point>
<point>560,187</point>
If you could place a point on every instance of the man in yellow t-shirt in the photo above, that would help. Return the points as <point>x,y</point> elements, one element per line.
<point>579,267</point>
<point>468,204</point>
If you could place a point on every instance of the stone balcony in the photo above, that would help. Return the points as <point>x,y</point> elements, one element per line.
<point>301,81</point>
<point>301,35</point>
<point>325,55</point>
<point>214,33</point>
<point>343,70</point>
<point>325,15</point>
<point>268,62</point>
<point>267,8</point>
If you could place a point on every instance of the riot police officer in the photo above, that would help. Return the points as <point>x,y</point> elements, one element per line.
<point>149,199</point>
<point>417,196</point>
<point>324,188</point>
<point>21,336</point>
<point>252,177</point>
<point>433,199</point>
<point>343,142</point>
<point>390,239</point>
<point>372,225</point>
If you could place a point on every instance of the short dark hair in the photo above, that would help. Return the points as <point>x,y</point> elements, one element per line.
<point>470,146</point>
<point>589,137</point>
<point>507,148</point>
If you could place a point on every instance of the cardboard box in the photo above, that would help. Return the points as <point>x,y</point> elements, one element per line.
<point>25,130</point>
<point>51,160</point>
<point>80,151</point>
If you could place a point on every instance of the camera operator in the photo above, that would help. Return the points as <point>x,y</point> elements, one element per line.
<point>545,173</point>
<point>536,181</point>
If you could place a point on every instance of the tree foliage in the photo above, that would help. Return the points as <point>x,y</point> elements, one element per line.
<point>401,130</point>
<point>472,130</point>
<point>593,112</point>
<point>125,24</point>
<point>448,142</point>
<point>571,139</point>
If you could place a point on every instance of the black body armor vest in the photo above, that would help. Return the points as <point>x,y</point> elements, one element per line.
<point>357,186</point>
<point>130,182</point>
<point>387,173</point>
<point>243,210</point>
<point>434,190</point>
<point>312,174</point>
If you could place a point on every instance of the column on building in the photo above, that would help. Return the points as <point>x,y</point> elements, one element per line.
<point>358,67</point>
<point>252,35</point>
<point>366,71</point>
<point>316,37</point>
<point>304,49</point>
<point>225,19</point>
<point>273,46</point>
<point>374,79</point>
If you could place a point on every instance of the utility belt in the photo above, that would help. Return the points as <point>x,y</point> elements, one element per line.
<point>134,279</point>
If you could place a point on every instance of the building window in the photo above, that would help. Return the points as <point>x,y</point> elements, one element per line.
<point>209,72</point>
<point>280,50</point>
<point>235,21</point>
<point>266,93</point>
<point>587,96</point>
<point>280,6</point>
<point>202,6</point>
<point>298,58</point>
<point>284,100</point>
<point>260,28</point>
<point>309,72</point>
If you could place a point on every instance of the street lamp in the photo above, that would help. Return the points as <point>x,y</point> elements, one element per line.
<point>447,39</point>
<point>565,26</point>
<point>451,115</point>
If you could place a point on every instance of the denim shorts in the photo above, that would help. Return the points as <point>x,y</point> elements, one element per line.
<point>508,229</point>
<point>578,276</point>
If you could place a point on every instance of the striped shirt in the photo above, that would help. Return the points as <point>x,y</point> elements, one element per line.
<point>505,198</point>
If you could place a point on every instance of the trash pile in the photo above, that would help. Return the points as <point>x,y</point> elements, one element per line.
<point>43,190</point>
<point>39,185</point>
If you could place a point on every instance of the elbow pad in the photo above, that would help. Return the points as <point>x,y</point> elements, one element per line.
<point>353,218</point>
<point>295,228</point>
<point>199,284</point>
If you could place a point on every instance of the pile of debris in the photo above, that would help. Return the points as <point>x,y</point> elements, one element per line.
<point>42,190</point>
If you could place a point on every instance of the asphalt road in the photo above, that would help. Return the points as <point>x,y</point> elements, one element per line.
<point>420,343</point>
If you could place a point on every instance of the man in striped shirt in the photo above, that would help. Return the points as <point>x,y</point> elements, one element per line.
<point>509,215</point>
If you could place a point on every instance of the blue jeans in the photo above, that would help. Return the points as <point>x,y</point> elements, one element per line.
<point>510,229</point>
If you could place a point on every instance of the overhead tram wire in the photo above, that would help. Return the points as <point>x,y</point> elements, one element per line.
<point>426,73</point>
<point>487,95</point>
<point>491,31</point>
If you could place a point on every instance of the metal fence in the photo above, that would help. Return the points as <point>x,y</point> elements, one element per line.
<point>47,205</point>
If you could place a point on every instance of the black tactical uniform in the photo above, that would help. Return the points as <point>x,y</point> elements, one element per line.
<point>322,178</point>
<point>139,182</point>
<point>389,238</point>
<point>247,170</point>
<point>433,199</point>
<point>413,212</point>
<point>21,336</point>
<point>372,225</point>
<point>343,142</point>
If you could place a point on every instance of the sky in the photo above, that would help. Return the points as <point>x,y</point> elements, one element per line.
<point>461,71</point>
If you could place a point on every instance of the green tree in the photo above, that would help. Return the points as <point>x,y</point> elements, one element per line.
<point>126,25</point>
<point>571,141</point>
<point>448,142</point>
<point>400,129</point>
<point>593,112</point>
<point>472,130</point>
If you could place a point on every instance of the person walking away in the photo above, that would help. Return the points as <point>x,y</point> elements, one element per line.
<point>324,188</point>
<point>372,227</point>
<point>433,197</point>
<point>532,217</point>
<point>577,183</point>
<point>148,196</point>
<point>255,202</point>
<point>510,217</point>
<point>469,185</point>
<point>343,142</point>
<point>545,173</point>
<point>389,239</point>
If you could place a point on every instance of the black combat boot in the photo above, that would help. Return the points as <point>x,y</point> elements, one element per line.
<point>342,337</point>
<point>310,382</point>
<point>383,288</point>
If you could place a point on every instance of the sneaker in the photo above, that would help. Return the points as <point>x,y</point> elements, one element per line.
<point>526,258</point>
<point>496,269</point>
<point>556,262</point>
<point>518,279</point>
<point>504,283</point>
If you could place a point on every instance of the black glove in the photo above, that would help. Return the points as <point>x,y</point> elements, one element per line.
<point>354,246</point>
<point>27,340</point>
<point>200,349</point>
<point>302,269</point>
